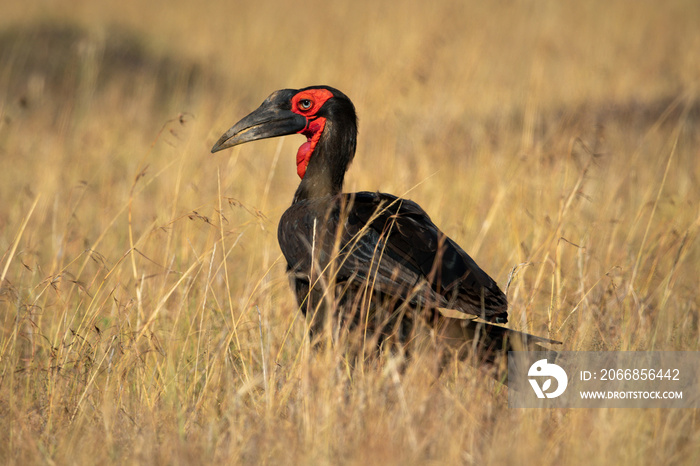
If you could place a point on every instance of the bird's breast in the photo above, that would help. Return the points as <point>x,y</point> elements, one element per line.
<point>304,231</point>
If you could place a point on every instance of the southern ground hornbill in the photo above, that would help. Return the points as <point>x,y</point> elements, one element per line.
<point>371,264</point>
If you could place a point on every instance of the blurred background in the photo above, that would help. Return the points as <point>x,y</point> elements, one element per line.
<point>557,141</point>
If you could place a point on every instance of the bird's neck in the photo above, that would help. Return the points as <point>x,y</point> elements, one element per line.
<point>327,163</point>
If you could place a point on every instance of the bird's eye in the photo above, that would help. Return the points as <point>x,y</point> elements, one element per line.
<point>305,104</point>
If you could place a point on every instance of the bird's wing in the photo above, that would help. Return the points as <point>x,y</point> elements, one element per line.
<point>392,243</point>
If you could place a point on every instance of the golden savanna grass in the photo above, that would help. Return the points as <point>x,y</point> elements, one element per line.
<point>145,312</point>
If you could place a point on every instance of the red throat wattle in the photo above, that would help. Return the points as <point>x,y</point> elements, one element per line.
<point>307,103</point>
<point>313,133</point>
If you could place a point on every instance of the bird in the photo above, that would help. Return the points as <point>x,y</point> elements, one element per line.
<point>368,262</point>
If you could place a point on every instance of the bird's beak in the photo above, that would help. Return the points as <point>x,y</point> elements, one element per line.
<point>268,121</point>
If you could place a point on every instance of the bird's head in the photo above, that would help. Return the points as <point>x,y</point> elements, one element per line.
<point>310,111</point>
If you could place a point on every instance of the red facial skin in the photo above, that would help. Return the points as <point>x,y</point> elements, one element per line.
<point>307,103</point>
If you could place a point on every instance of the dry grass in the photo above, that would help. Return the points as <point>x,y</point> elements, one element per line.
<point>146,316</point>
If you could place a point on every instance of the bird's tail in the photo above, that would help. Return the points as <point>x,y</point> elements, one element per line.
<point>484,343</point>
